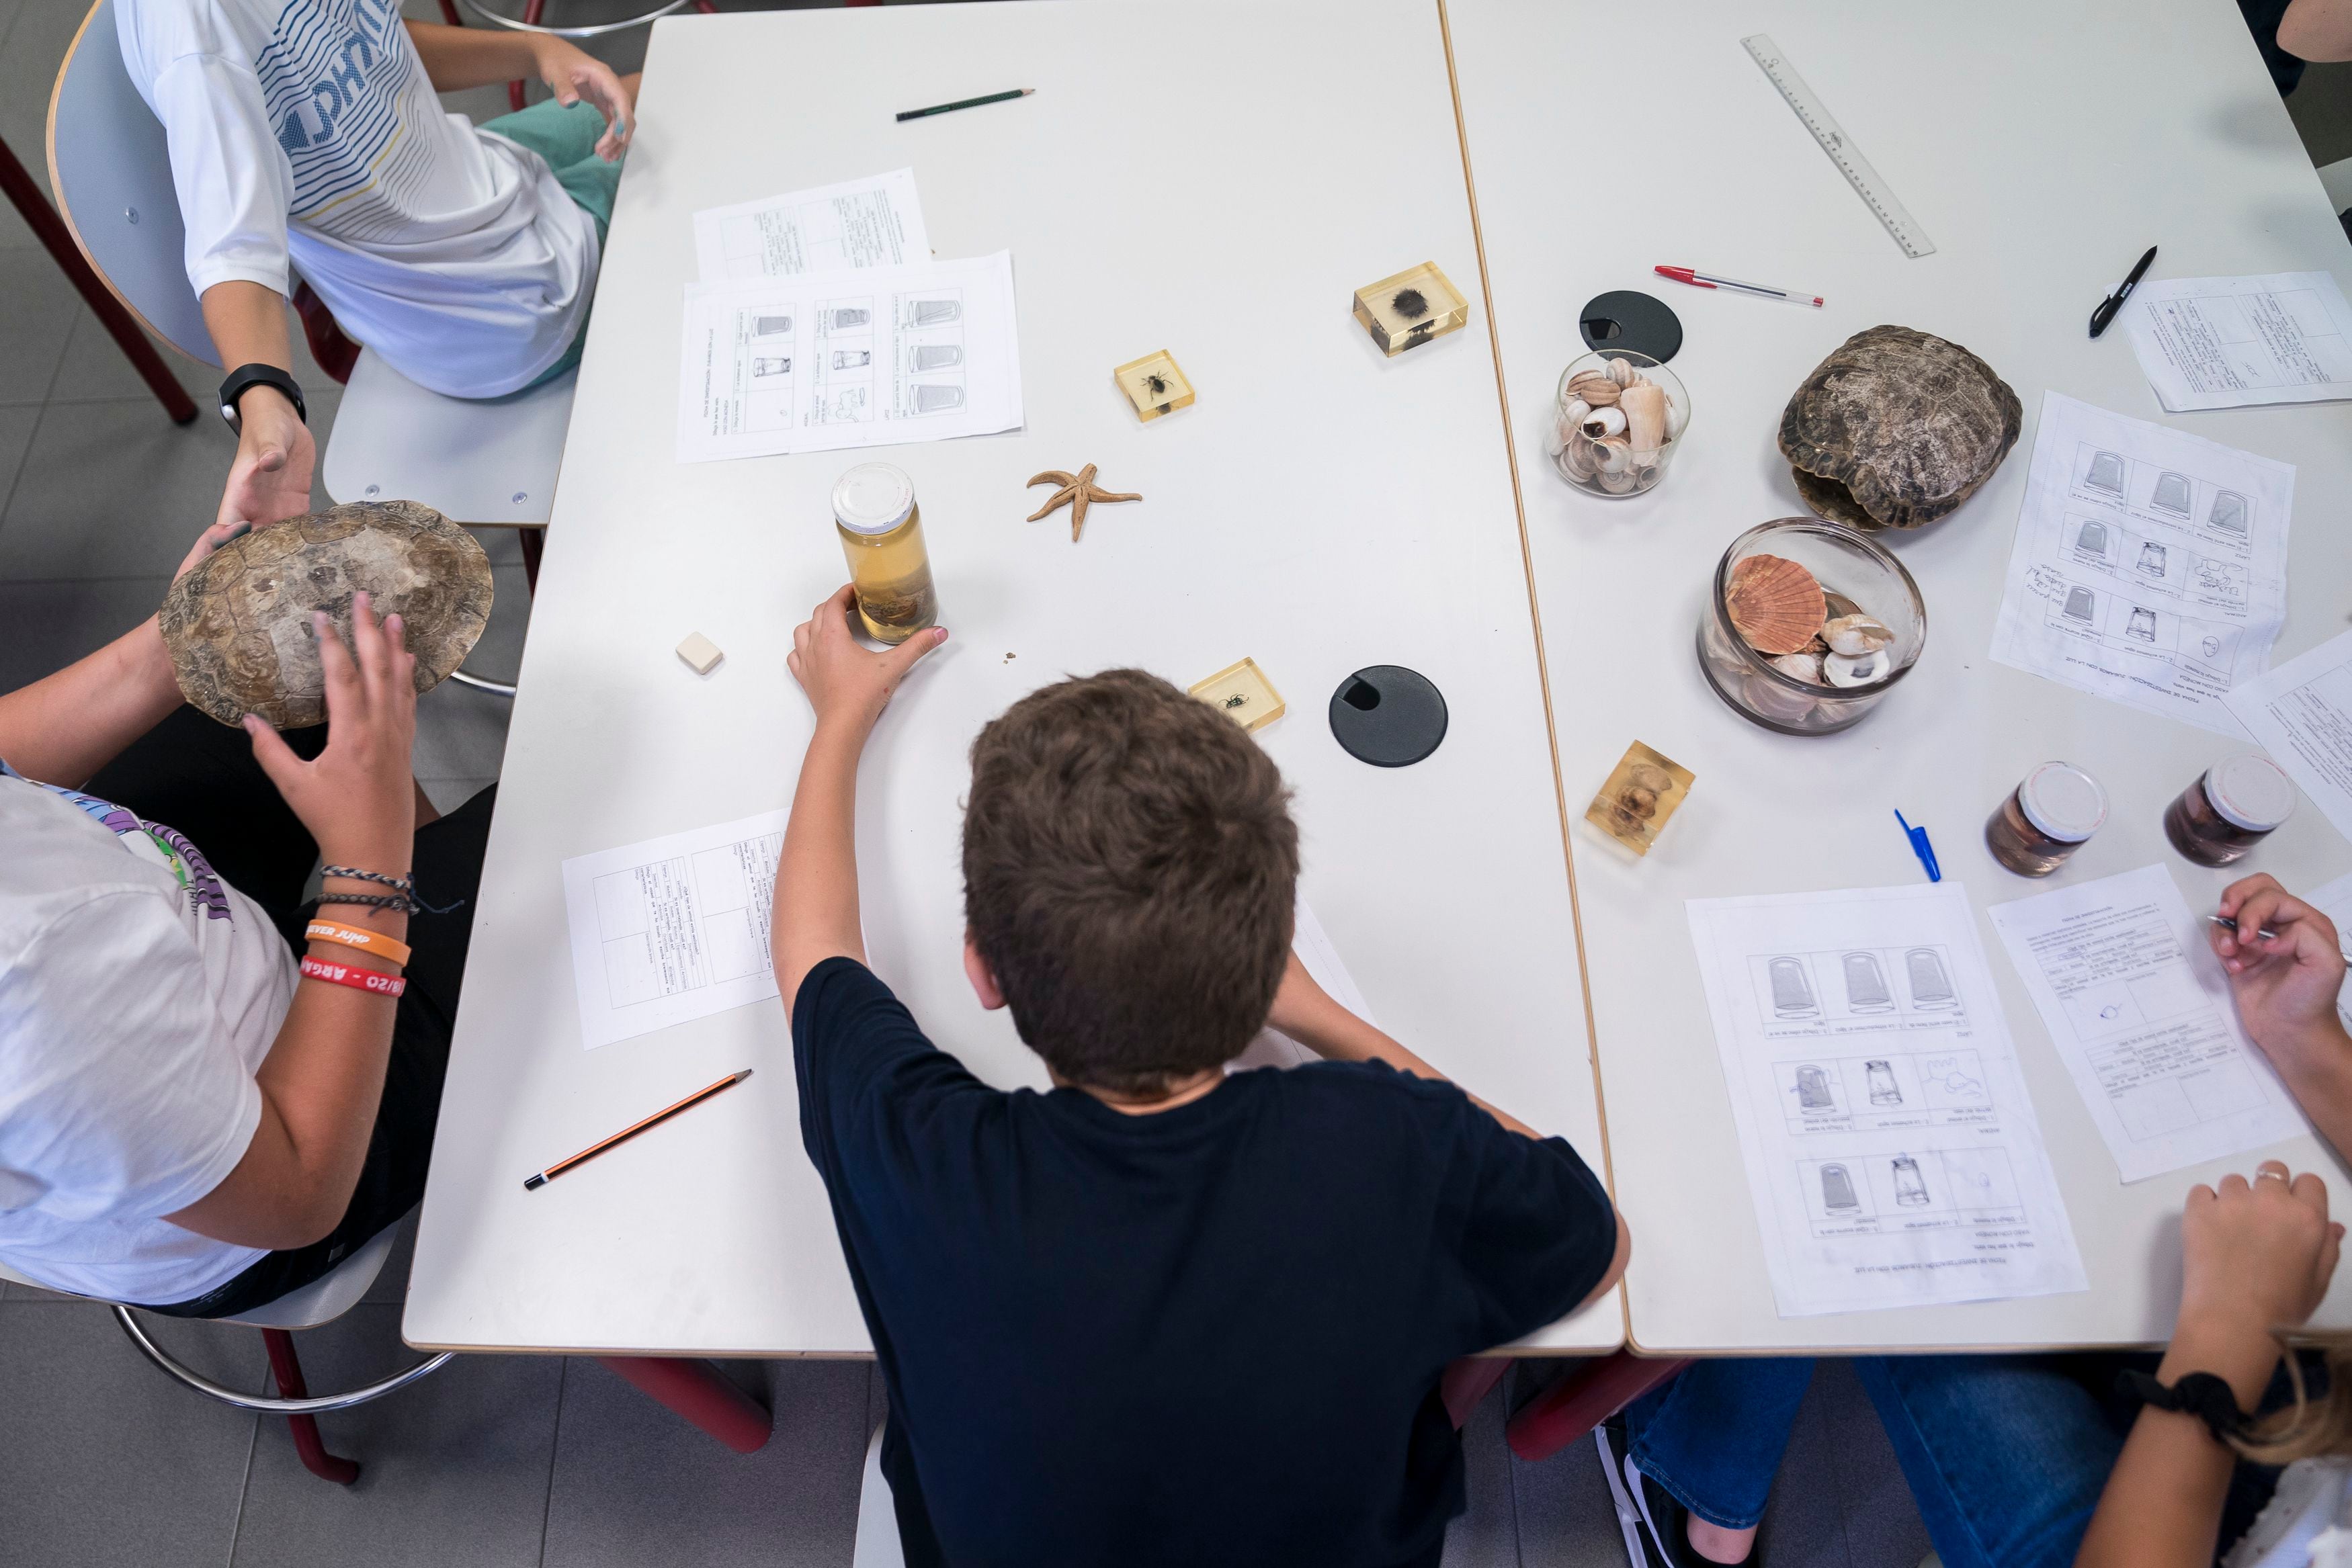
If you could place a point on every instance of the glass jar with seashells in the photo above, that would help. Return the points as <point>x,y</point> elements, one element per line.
<point>1619,422</point>
<point>1811,624</point>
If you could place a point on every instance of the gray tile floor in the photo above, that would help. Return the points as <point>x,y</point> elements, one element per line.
<point>519,1460</point>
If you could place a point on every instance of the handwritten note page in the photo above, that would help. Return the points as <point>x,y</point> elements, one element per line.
<point>2301,713</point>
<point>2227,343</point>
<point>672,928</point>
<point>2141,1013</point>
<point>874,357</point>
<point>1892,1153</point>
<point>2149,565</point>
<point>873,222</point>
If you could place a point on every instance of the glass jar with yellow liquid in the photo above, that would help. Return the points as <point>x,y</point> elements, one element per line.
<point>881,532</point>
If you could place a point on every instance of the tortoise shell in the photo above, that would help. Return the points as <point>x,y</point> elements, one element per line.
<point>1896,428</point>
<point>239,623</point>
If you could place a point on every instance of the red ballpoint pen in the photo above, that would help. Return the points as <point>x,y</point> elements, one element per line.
<point>1709,280</point>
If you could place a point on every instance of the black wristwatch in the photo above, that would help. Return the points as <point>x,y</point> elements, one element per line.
<point>2197,1393</point>
<point>248,376</point>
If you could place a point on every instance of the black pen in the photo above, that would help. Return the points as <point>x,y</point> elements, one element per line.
<point>2114,302</point>
<point>966,103</point>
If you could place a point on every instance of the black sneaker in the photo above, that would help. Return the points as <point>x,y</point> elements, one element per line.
<point>1656,1525</point>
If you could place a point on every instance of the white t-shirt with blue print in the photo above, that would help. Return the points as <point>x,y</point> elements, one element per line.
<point>307,131</point>
<point>139,993</point>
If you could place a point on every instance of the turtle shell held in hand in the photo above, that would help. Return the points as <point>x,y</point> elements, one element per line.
<point>239,623</point>
<point>1897,428</point>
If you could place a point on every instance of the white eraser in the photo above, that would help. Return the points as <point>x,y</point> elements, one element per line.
<point>700,654</point>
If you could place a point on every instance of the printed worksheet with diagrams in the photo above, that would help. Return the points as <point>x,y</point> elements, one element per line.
<point>1272,1048</point>
<point>2301,713</point>
<point>672,928</point>
<point>2227,343</point>
<point>1891,1149</point>
<point>2141,1013</point>
<point>2149,566</point>
<point>875,358</point>
<point>873,222</point>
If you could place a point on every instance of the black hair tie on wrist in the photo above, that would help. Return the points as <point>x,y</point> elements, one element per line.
<point>2197,1393</point>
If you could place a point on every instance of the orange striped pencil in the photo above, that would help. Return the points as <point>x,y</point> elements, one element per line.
<point>532,1184</point>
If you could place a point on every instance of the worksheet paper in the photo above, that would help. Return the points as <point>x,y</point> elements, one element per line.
<point>673,928</point>
<point>875,358</point>
<point>2301,713</point>
<point>1891,1150</point>
<point>873,222</point>
<point>2334,900</point>
<point>2141,1013</point>
<point>2149,566</point>
<point>1272,1048</point>
<point>2227,342</point>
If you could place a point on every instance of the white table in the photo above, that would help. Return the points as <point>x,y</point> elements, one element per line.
<point>1215,179</point>
<point>2042,147</point>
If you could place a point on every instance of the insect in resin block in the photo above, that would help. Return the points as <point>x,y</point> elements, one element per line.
<point>1642,791</point>
<point>1409,309</point>
<point>1154,385</point>
<point>1242,693</point>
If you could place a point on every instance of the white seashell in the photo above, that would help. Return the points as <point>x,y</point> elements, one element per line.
<point>1774,701</point>
<point>1622,371</point>
<point>1574,458</point>
<point>1855,635</point>
<point>1603,422</point>
<point>1645,416</point>
<point>1858,669</point>
<point>1612,455</point>
<point>1619,483</point>
<point>1799,666</point>
<point>1676,417</point>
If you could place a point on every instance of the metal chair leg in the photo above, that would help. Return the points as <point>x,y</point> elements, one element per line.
<point>306,1406</point>
<point>312,1448</point>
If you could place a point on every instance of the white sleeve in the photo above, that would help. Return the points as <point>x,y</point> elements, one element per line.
<point>121,1095</point>
<point>235,184</point>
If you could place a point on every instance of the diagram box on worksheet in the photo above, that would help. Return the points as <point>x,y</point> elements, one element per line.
<point>1410,308</point>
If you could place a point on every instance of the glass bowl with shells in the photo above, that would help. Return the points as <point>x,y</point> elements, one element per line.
<point>1619,422</point>
<point>1810,625</point>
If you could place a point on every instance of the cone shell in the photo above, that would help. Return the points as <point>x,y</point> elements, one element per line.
<point>1775,604</point>
<point>1645,403</point>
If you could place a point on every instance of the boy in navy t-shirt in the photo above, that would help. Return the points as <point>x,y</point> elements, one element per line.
<point>1158,1314</point>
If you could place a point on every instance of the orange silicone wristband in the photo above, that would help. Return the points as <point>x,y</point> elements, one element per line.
<point>387,948</point>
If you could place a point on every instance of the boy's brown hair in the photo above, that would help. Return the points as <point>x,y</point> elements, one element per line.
<point>1128,862</point>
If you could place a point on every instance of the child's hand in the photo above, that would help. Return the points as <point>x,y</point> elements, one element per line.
<point>847,682</point>
<point>571,73</point>
<point>2287,986</point>
<point>2256,1257</point>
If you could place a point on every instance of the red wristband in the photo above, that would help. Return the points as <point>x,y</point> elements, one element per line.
<point>354,975</point>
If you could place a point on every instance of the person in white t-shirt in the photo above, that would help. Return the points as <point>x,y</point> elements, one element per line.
<point>191,1118</point>
<point>306,138</point>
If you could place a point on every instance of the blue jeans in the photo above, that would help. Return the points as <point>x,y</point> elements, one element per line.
<point>2005,1455</point>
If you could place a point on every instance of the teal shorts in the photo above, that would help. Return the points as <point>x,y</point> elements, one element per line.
<point>567,138</point>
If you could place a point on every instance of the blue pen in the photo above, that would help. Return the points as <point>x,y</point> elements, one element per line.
<point>1922,847</point>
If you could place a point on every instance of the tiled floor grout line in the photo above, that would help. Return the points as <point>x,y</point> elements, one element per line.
<point>244,1488</point>
<point>554,1456</point>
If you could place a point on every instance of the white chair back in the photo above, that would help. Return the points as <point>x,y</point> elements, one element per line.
<point>321,1301</point>
<point>110,167</point>
<point>877,1518</point>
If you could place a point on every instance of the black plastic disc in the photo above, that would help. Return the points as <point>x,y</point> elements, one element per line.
<point>1625,318</point>
<point>1387,715</point>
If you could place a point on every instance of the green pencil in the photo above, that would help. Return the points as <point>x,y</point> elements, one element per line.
<point>966,103</point>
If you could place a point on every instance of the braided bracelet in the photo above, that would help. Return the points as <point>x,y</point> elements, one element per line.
<point>348,874</point>
<point>374,981</point>
<point>400,904</point>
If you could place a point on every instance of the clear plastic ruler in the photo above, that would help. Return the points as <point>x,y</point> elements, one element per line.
<point>1842,152</point>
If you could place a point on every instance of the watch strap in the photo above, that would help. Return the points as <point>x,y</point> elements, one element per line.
<point>246,377</point>
<point>2199,1394</point>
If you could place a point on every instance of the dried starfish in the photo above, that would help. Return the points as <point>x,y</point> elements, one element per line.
<point>1079,491</point>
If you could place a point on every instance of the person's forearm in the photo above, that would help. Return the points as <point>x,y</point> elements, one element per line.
<point>248,322</point>
<point>2317,1071</point>
<point>458,58</point>
<point>816,912</point>
<point>1330,1031</point>
<point>66,727</point>
<point>2162,1505</point>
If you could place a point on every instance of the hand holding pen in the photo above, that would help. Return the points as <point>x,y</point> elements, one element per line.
<point>2285,966</point>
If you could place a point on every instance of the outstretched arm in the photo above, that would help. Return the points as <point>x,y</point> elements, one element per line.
<point>816,912</point>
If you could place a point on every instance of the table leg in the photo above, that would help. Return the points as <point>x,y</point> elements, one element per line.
<point>1583,1399</point>
<point>695,1390</point>
<point>308,1446</point>
<point>59,241</point>
<point>1467,1381</point>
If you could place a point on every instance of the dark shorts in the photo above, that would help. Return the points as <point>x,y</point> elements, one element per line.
<point>199,776</point>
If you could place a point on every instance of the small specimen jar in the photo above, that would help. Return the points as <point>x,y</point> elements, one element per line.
<point>1846,564</point>
<point>881,532</point>
<point>1616,448</point>
<point>2045,818</point>
<point>2229,810</point>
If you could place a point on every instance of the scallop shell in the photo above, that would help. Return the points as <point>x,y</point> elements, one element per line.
<point>1855,634</point>
<point>1775,604</point>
